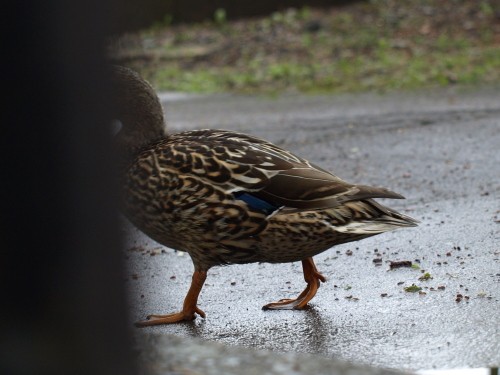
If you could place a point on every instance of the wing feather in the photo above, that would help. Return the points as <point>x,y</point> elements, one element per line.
<point>241,163</point>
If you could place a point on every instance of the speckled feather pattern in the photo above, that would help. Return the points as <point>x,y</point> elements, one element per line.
<point>181,192</point>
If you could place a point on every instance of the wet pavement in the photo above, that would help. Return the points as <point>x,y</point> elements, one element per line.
<point>439,149</point>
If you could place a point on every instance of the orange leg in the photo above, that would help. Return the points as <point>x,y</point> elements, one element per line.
<point>312,278</point>
<point>188,309</point>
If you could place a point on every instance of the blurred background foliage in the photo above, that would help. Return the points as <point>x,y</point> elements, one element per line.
<point>326,46</point>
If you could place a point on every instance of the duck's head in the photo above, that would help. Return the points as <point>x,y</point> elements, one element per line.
<point>139,119</point>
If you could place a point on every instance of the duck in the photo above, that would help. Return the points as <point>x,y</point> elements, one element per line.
<point>225,197</point>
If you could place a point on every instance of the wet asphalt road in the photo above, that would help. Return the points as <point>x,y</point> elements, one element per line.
<point>440,150</point>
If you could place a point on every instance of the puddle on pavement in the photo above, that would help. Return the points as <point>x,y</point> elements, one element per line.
<point>461,371</point>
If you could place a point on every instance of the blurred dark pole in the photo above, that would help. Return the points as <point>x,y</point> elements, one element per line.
<point>62,300</point>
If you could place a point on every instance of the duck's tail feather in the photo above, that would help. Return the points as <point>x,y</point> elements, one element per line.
<point>376,219</point>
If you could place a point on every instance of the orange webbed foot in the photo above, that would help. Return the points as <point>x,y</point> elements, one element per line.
<point>153,320</point>
<point>313,278</point>
<point>189,309</point>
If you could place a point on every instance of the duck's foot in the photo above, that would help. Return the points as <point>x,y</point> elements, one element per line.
<point>181,316</point>
<point>189,310</point>
<point>313,278</point>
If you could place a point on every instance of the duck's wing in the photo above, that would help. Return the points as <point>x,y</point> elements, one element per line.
<point>242,164</point>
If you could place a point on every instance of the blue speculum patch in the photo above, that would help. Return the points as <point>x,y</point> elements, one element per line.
<point>256,203</point>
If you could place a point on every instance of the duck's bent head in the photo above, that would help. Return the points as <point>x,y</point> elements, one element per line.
<point>139,119</point>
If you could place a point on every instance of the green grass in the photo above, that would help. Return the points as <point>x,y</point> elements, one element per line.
<point>380,45</point>
<point>389,70</point>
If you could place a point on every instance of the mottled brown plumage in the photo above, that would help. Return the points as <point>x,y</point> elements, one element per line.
<point>228,198</point>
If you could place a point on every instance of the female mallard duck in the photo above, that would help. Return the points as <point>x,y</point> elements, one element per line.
<point>226,198</point>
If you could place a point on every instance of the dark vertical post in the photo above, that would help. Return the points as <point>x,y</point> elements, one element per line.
<point>61,294</point>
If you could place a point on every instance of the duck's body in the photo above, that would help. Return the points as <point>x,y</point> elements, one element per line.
<point>210,193</point>
<point>228,198</point>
